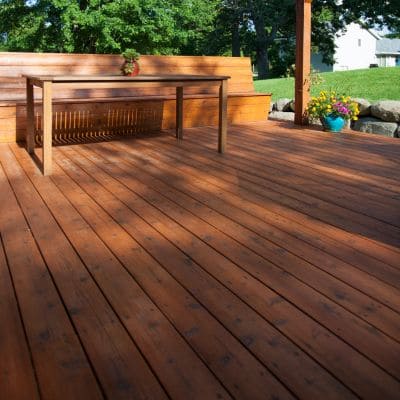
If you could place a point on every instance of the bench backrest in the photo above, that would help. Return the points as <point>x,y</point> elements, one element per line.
<point>14,65</point>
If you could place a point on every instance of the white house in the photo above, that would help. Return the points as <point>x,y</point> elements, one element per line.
<point>357,48</point>
<point>388,52</point>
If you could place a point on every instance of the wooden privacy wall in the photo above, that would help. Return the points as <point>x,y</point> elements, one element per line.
<point>79,112</point>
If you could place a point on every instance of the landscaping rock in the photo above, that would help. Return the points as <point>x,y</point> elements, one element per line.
<point>281,104</point>
<point>316,122</point>
<point>290,106</point>
<point>364,107</point>
<point>397,134</point>
<point>374,125</point>
<point>286,116</point>
<point>271,106</point>
<point>386,110</point>
<point>287,107</point>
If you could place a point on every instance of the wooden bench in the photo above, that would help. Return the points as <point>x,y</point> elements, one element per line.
<point>82,112</point>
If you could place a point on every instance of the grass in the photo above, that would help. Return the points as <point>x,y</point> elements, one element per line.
<point>371,84</point>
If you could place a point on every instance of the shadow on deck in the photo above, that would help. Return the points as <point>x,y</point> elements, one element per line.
<point>151,268</point>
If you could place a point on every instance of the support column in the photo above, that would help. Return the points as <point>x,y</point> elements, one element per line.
<point>47,128</point>
<point>303,60</point>
<point>179,113</point>
<point>30,120</point>
<point>222,115</point>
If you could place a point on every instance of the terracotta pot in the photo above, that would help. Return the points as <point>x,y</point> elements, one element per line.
<point>136,68</point>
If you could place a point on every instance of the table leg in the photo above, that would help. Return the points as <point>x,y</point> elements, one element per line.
<point>47,127</point>
<point>222,123</point>
<point>30,118</point>
<point>179,112</point>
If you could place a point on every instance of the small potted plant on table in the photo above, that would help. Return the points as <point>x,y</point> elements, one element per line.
<point>131,65</point>
<point>333,110</point>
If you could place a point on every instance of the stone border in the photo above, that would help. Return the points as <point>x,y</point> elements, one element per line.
<point>381,118</point>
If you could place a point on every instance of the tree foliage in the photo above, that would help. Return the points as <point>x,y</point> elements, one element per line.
<point>262,29</point>
<point>267,27</point>
<point>106,26</point>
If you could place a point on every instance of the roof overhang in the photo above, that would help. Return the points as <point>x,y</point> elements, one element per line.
<point>388,54</point>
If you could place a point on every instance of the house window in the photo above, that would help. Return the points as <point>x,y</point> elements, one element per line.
<point>359,42</point>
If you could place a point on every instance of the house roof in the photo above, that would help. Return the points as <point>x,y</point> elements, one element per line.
<point>371,31</point>
<point>388,46</point>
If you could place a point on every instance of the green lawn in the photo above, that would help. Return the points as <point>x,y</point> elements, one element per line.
<point>371,84</point>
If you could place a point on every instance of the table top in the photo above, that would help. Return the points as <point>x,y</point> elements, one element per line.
<point>121,78</point>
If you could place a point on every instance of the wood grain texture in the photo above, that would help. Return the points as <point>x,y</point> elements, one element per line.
<point>17,377</point>
<point>60,363</point>
<point>303,60</point>
<point>215,268</point>
<point>160,343</point>
<point>244,104</point>
<point>102,336</point>
<point>269,271</point>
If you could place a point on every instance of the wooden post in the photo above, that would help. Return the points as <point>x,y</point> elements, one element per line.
<point>222,111</point>
<point>30,121</point>
<point>179,112</point>
<point>47,127</point>
<point>303,60</point>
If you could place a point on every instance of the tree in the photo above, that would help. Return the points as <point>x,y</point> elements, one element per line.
<point>231,19</point>
<point>106,26</point>
<point>271,27</point>
<point>262,29</point>
<point>372,12</point>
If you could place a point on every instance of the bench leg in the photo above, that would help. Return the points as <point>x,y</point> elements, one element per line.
<point>222,125</point>
<point>30,118</point>
<point>179,112</point>
<point>47,127</point>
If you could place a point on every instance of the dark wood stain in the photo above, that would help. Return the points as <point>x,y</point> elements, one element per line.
<point>146,269</point>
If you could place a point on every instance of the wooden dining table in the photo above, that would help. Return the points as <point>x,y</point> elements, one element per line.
<point>50,82</point>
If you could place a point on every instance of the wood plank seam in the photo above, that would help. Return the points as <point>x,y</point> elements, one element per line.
<point>69,150</point>
<point>100,204</point>
<point>369,246</point>
<point>36,390</point>
<point>180,159</point>
<point>181,204</point>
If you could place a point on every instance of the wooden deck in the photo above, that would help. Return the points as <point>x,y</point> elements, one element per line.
<point>150,269</point>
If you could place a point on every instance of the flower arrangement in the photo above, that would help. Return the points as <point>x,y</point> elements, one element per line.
<point>330,103</point>
<point>131,65</point>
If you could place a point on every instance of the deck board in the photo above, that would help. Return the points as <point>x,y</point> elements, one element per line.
<point>271,275</point>
<point>60,364</point>
<point>17,374</point>
<point>298,211</point>
<point>164,269</point>
<point>208,227</point>
<point>390,274</point>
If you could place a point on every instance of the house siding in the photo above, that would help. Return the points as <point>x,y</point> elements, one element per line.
<point>355,49</point>
<point>388,61</point>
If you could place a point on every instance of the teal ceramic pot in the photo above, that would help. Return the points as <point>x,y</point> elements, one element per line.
<point>333,123</point>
